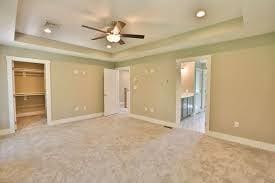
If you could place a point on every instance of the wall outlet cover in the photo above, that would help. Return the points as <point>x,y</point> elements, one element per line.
<point>76,108</point>
<point>236,124</point>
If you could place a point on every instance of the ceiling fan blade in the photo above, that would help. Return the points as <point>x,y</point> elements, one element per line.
<point>92,28</point>
<point>99,37</point>
<point>120,24</point>
<point>121,42</point>
<point>137,36</point>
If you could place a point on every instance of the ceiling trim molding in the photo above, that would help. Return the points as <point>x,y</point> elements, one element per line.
<point>249,42</point>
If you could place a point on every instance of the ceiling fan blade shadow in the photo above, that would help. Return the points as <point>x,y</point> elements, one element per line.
<point>92,28</point>
<point>137,36</point>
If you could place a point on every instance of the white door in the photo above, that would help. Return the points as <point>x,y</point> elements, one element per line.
<point>111,92</point>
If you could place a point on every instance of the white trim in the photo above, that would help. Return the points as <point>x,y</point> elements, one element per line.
<point>153,120</point>
<point>77,118</point>
<point>6,131</point>
<point>244,141</point>
<point>178,87</point>
<point>10,95</point>
<point>10,77</point>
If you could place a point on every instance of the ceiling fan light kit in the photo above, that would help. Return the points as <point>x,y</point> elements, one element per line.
<point>113,34</point>
<point>113,38</point>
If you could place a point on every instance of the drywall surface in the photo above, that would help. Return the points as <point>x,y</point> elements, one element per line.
<point>242,86</point>
<point>69,90</point>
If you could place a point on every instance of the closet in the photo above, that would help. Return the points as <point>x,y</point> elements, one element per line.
<point>29,94</point>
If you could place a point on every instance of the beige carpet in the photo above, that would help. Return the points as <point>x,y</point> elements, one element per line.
<point>124,150</point>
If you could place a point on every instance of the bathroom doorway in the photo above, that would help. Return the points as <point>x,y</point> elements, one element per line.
<point>193,99</point>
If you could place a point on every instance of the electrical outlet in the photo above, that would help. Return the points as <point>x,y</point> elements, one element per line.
<point>76,108</point>
<point>236,124</point>
<point>145,109</point>
<point>152,109</point>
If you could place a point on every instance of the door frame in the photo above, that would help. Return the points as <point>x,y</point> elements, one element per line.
<point>129,69</point>
<point>10,76</point>
<point>179,91</point>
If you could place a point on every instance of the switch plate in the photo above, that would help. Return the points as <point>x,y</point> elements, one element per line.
<point>145,109</point>
<point>236,124</point>
<point>76,108</point>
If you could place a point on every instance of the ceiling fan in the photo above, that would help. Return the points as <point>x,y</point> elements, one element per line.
<point>113,34</point>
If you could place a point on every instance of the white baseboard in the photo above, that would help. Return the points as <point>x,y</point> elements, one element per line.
<point>244,141</point>
<point>77,118</point>
<point>153,120</point>
<point>6,131</point>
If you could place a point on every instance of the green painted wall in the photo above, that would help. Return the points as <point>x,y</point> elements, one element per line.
<point>68,90</point>
<point>242,86</point>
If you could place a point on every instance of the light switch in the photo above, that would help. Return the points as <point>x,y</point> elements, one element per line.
<point>145,108</point>
<point>76,108</point>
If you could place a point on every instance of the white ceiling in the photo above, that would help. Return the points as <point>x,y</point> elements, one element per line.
<point>167,25</point>
<point>157,19</point>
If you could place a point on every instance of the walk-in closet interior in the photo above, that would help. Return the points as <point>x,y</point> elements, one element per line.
<point>29,94</point>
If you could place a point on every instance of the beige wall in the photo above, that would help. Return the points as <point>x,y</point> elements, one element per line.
<point>124,82</point>
<point>68,90</point>
<point>243,90</point>
<point>188,77</point>
<point>155,88</point>
<point>242,87</point>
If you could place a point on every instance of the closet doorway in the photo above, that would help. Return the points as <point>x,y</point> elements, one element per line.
<point>29,92</point>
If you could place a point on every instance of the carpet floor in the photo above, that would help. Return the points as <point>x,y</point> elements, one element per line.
<point>120,149</point>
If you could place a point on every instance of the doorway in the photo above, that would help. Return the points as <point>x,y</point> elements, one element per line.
<point>193,97</point>
<point>124,89</point>
<point>116,91</point>
<point>29,92</point>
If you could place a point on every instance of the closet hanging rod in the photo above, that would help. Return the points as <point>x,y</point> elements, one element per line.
<point>28,70</point>
<point>29,94</point>
<point>31,106</point>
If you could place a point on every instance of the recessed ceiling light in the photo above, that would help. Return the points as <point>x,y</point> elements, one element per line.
<point>109,46</point>
<point>49,27</point>
<point>48,30</point>
<point>200,13</point>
